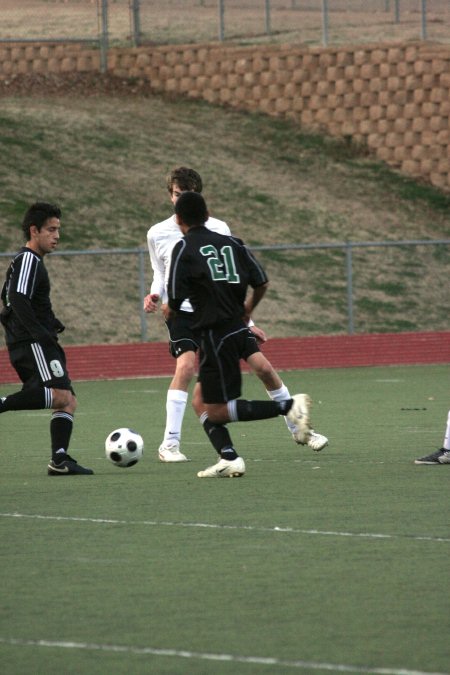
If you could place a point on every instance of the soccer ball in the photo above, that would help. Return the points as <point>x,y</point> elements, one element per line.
<point>124,447</point>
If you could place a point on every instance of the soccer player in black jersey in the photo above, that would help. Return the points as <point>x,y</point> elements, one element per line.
<point>215,271</point>
<point>31,330</point>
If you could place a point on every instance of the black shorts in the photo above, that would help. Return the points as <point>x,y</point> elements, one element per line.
<point>181,336</point>
<point>220,370</point>
<point>40,366</point>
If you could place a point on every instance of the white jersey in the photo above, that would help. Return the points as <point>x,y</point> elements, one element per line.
<point>161,238</point>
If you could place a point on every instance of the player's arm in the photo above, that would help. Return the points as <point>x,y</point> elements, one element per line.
<point>258,279</point>
<point>254,299</point>
<point>158,281</point>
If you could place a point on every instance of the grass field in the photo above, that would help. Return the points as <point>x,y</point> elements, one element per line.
<point>330,562</point>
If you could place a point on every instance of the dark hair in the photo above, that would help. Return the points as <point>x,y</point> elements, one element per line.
<point>191,208</point>
<point>186,179</point>
<point>37,215</point>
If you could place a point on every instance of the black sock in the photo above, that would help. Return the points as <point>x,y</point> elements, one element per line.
<point>220,439</point>
<point>246,411</point>
<point>61,427</point>
<point>229,454</point>
<point>35,398</point>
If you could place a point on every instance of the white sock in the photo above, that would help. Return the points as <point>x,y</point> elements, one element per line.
<point>447,434</point>
<point>175,407</point>
<point>282,394</point>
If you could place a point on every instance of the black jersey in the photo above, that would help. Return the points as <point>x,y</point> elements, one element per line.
<point>27,313</point>
<point>214,272</point>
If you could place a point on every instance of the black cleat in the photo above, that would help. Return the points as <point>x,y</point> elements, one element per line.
<point>67,467</point>
<point>441,456</point>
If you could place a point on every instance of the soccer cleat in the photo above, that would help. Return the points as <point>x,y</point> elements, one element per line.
<point>67,467</point>
<point>299,416</point>
<point>441,456</point>
<point>317,441</point>
<point>224,468</point>
<point>169,451</point>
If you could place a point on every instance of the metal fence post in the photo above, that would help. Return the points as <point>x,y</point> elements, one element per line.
<point>349,266</point>
<point>221,20</point>
<point>103,37</point>
<point>135,7</point>
<point>325,23</point>
<point>267,11</point>
<point>142,294</point>
<point>423,32</point>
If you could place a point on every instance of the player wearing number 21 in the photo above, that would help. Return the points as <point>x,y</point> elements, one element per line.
<point>215,272</point>
<point>32,329</point>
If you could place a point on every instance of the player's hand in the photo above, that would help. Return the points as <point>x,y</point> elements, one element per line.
<point>167,312</point>
<point>58,326</point>
<point>259,334</point>
<point>151,302</point>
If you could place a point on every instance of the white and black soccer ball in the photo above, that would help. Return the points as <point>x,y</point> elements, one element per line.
<point>124,447</point>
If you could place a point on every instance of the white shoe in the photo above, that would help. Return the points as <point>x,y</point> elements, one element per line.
<point>317,441</point>
<point>169,451</point>
<point>224,468</point>
<point>299,416</point>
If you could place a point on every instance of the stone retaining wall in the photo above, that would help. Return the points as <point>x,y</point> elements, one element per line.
<point>393,98</point>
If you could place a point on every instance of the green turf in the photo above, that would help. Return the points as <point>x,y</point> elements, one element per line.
<point>337,558</point>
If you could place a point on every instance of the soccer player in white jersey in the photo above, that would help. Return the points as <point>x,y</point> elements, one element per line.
<point>183,341</point>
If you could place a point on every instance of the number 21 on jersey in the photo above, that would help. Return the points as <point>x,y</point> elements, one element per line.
<point>221,263</point>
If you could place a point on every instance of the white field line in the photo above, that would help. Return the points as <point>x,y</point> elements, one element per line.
<point>218,526</point>
<point>204,656</point>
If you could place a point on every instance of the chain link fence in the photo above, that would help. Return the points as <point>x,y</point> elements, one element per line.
<point>315,289</point>
<point>306,22</point>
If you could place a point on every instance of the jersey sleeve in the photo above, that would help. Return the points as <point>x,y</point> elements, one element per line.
<point>158,282</point>
<point>258,276</point>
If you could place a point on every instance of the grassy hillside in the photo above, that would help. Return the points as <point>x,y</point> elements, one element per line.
<point>104,159</point>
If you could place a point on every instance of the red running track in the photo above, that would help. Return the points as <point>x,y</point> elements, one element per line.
<point>147,359</point>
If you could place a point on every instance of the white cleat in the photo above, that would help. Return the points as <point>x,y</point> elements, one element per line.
<point>224,468</point>
<point>298,415</point>
<point>170,452</point>
<point>317,441</point>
